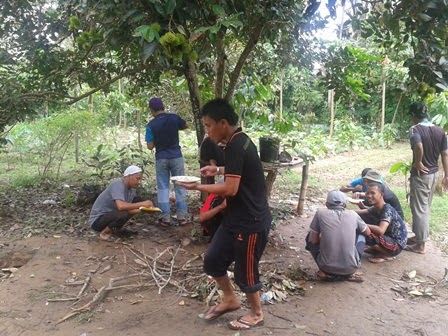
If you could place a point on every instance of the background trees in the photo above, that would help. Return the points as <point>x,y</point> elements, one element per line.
<point>262,55</point>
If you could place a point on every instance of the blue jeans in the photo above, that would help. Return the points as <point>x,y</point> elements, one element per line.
<point>165,168</point>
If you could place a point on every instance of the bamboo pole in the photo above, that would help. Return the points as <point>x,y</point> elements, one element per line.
<point>331,104</point>
<point>303,188</point>
<point>139,116</point>
<point>383,97</point>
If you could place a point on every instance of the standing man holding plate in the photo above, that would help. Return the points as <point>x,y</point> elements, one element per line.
<point>243,234</point>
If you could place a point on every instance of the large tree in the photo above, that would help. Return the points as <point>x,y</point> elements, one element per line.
<point>418,25</point>
<point>49,46</point>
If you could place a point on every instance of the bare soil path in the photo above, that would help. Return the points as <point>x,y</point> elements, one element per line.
<point>381,305</point>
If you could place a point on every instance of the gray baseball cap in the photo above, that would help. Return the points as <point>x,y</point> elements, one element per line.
<point>336,198</point>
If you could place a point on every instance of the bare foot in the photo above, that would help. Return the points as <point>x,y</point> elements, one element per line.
<point>106,233</point>
<point>105,236</point>
<point>319,275</point>
<point>416,248</point>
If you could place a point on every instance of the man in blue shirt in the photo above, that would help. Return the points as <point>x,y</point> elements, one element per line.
<point>356,185</point>
<point>162,133</point>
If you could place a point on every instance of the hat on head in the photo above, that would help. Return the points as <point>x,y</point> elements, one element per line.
<point>374,176</point>
<point>156,104</point>
<point>336,198</point>
<point>132,170</point>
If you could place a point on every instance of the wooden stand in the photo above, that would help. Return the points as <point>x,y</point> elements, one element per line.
<point>273,168</point>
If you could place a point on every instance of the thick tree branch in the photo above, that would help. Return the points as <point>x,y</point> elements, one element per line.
<point>251,43</point>
<point>220,64</point>
<point>104,85</point>
<point>193,89</point>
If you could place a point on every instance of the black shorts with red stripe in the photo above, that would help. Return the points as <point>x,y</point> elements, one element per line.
<point>245,249</point>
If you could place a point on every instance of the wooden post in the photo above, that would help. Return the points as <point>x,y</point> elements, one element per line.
<point>331,104</point>
<point>303,188</point>
<point>76,147</point>
<point>383,98</point>
<point>139,115</point>
<point>270,179</point>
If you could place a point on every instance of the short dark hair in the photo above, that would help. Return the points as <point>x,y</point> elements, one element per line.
<point>419,110</point>
<point>376,184</point>
<point>219,109</point>
<point>365,171</point>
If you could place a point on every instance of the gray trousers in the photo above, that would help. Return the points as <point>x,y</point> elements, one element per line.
<point>422,190</point>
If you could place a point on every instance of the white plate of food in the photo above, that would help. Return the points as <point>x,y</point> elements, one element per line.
<point>354,200</point>
<point>185,179</point>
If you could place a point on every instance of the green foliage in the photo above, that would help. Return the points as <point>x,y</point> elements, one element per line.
<point>107,163</point>
<point>102,163</point>
<point>24,180</point>
<point>438,106</point>
<point>403,168</point>
<point>75,24</point>
<point>417,25</point>
<point>148,33</point>
<point>348,68</point>
<point>48,140</point>
<point>88,39</point>
<point>350,135</point>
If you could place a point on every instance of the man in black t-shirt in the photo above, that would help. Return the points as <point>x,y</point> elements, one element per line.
<point>243,233</point>
<point>428,142</point>
<point>211,153</point>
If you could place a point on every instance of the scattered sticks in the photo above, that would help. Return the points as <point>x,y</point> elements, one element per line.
<point>153,271</point>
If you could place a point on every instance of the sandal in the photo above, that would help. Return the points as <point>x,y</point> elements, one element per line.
<point>215,313</point>
<point>182,222</point>
<point>244,325</point>
<point>379,260</point>
<point>164,223</point>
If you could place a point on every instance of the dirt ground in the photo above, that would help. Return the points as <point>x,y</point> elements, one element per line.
<point>55,265</point>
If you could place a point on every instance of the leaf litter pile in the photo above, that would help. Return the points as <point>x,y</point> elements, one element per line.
<point>416,285</point>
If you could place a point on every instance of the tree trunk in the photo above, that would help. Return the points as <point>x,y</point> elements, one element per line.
<point>122,121</point>
<point>91,104</point>
<point>220,65</point>
<point>76,147</point>
<point>193,89</point>
<point>282,75</point>
<point>234,76</point>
